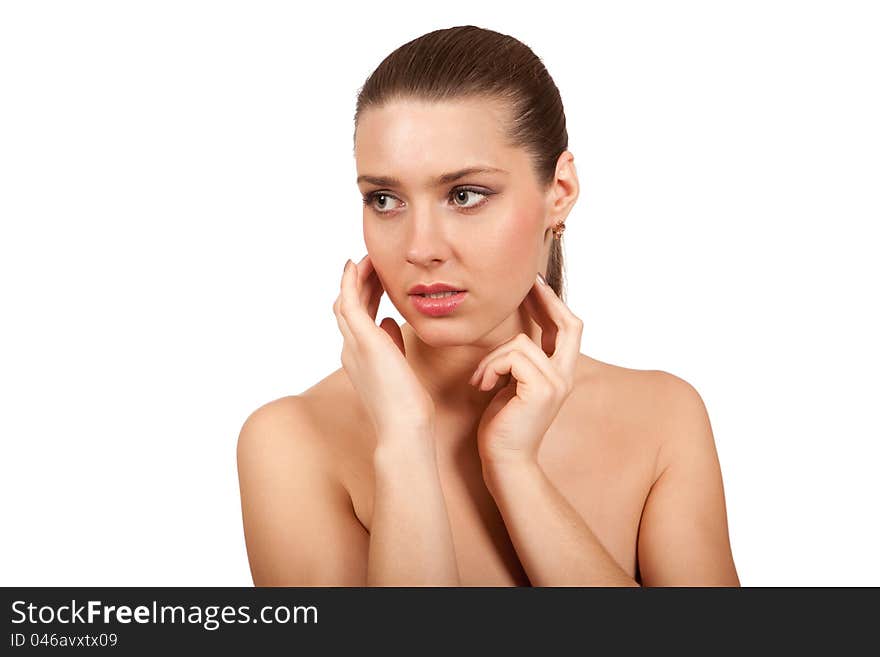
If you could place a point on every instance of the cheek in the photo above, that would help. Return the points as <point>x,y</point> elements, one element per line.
<point>380,254</point>
<point>510,258</point>
<point>519,245</point>
<point>370,236</point>
<point>380,249</point>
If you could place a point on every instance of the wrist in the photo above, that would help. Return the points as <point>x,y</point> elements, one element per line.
<point>500,472</point>
<point>405,429</point>
<point>402,447</point>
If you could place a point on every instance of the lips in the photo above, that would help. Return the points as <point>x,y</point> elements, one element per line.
<point>439,306</point>
<point>433,288</point>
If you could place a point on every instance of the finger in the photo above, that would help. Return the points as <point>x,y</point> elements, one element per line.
<point>341,323</point>
<point>568,327</point>
<point>504,346</point>
<point>532,351</point>
<point>532,328</point>
<point>530,380</point>
<point>548,329</point>
<point>369,282</point>
<point>350,307</point>
<point>371,288</point>
<point>538,306</point>
<point>347,335</point>
<point>363,269</point>
<point>376,291</point>
<point>393,330</point>
<point>346,332</point>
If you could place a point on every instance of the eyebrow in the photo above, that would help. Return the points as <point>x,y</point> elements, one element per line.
<point>443,179</point>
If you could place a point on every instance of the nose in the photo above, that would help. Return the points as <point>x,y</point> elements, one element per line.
<point>426,239</point>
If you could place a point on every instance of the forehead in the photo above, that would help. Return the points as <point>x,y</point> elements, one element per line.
<point>414,140</point>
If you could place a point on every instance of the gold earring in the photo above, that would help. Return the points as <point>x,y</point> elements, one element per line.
<point>558,229</point>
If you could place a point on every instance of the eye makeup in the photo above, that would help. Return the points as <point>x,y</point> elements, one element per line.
<point>369,198</point>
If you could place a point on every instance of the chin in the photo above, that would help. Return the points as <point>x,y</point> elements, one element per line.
<point>440,331</point>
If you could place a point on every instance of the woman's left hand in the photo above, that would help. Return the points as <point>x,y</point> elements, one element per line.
<point>540,379</point>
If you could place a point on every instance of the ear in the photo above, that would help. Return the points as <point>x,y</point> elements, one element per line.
<point>564,191</point>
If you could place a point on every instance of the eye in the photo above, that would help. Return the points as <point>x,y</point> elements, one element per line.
<point>464,191</point>
<point>368,200</point>
<point>456,195</point>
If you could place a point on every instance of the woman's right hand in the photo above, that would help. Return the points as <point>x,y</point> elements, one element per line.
<point>374,356</point>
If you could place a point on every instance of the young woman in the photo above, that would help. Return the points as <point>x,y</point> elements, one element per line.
<point>475,445</point>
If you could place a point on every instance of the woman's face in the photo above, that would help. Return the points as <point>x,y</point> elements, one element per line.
<point>483,232</point>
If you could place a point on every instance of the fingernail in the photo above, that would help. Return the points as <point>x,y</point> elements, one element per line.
<point>347,263</point>
<point>541,280</point>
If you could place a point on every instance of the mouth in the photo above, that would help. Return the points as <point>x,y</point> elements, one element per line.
<point>438,304</point>
<point>438,295</point>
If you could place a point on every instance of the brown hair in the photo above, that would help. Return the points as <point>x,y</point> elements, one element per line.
<point>468,61</point>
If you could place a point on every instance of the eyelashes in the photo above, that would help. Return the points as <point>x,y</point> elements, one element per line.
<point>371,196</point>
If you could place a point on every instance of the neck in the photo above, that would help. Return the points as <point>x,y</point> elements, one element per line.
<point>444,370</point>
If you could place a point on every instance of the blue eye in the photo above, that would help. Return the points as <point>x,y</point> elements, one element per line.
<point>454,195</point>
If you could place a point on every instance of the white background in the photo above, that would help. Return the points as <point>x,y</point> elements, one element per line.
<point>177,194</point>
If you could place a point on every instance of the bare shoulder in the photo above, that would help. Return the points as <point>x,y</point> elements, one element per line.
<point>292,499</point>
<point>340,420</point>
<point>638,385</point>
<point>277,412</point>
<point>279,441</point>
<point>317,420</point>
<point>281,425</point>
<point>653,406</point>
<point>683,533</point>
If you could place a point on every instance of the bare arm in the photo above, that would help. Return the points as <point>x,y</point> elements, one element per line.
<point>411,539</point>
<point>555,545</point>
<point>683,537</point>
<point>300,528</point>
